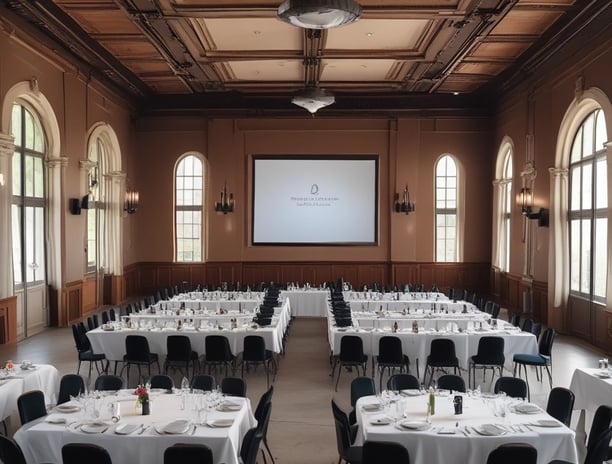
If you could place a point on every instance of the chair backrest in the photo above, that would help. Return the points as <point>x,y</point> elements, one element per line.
<point>600,447</point>
<point>536,329</point>
<point>90,323</point>
<point>387,452</point>
<point>601,422</point>
<point>105,317</point>
<point>515,320</point>
<point>81,341</point>
<point>362,386</point>
<point>488,307</point>
<point>351,348</point>
<point>31,405</point>
<point>343,436</point>
<point>527,325</point>
<point>204,382</point>
<point>95,320</point>
<point>561,404</point>
<point>10,452</point>
<point>234,386</point>
<point>403,382</point>
<point>162,381</point>
<point>451,382</point>
<point>512,453</point>
<point>112,314</point>
<point>137,348</point>
<point>511,386</point>
<point>491,350</point>
<point>250,446</point>
<point>546,342</point>
<point>217,348</point>
<point>495,310</point>
<point>192,453</point>
<point>265,418</point>
<point>442,349</point>
<point>70,385</point>
<point>390,350</point>
<point>107,382</point>
<point>254,348</point>
<point>178,348</point>
<point>265,398</point>
<point>78,453</point>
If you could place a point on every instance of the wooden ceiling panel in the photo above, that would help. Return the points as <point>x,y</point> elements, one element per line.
<point>526,22</point>
<point>107,21</point>
<point>345,70</point>
<point>266,70</point>
<point>379,34</point>
<point>484,69</point>
<point>167,86</point>
<point>143,67</point>
<point>505,50</point>
<point>130,47</point>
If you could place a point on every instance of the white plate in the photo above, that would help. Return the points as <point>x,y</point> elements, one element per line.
<point>219,422</point>
<point>546,423</point>
<point>489,430</point>
<point>175,427</point>
<point>414,425</point>
<point>66,407</point>
<point>381,421</point>
<point>94,427</point>
<point>527,408</point>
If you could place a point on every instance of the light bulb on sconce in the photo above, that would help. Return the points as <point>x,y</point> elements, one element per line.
<point>132,199</point>
<point>226,205</point>
<point>404,206</point>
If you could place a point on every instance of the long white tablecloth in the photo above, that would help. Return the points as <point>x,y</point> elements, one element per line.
<point>454,438</point>
<point>112,343</point>
<point>307,302</point>
<point>42,441</point>
<point>591,391</point>
<point>42,377</point>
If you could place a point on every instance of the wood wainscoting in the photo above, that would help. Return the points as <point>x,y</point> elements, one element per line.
<point>148,277</point>
<point>8,320</point>
<point>509,290</point>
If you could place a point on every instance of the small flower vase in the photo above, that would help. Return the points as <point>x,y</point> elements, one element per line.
<point>146,408</point>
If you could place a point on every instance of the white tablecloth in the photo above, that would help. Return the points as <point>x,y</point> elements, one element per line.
<point>42,377</point>
<point>112,343</point>
<point>307,303</point>
<point>453,438</point>
<point>591,392</point>
<point>42,441</point>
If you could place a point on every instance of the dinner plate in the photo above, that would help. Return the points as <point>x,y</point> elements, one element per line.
<point>381,421</point>
<point>94,427</point>
<point>372,407</point>
<point>546,423</point>
<point>126,429</point>
<point>175,427</point>
<point>414,425</point>
<point>219,422</point>
<point>489,430</point>
<point>527,408</point>
<point>66,407</point>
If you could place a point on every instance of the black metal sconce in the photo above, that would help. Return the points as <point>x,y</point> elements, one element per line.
<point>226,205</point>
<point>404,206</point>
<point>526,202</point>
<point>132,200</point>
<point>76,204</point>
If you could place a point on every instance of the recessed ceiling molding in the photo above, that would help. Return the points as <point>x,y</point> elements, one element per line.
<point>319,14</point>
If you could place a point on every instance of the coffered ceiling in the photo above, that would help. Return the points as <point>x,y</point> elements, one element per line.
<point>237,54</point>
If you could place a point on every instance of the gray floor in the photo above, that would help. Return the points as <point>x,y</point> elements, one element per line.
<point>301,429</point>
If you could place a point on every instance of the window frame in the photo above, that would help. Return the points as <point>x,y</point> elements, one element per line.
<point>446,211</point>
<point>189,207</point>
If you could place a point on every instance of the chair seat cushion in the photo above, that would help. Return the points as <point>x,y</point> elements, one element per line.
<point>530,359</point>
<point>353,454</point>
<point>482,360</point>
<point>91,356</point>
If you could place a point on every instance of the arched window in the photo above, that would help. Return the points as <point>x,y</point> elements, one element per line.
<point>588,204</point>
<point>502,209</point>
<point>446,210</point>
<point>97,156</point>
<point>188,200</point>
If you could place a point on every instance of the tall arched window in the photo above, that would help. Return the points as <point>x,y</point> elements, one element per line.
<point>446,209</point>
<point>503,209</point>
<point>188,208</point>
<point>95,214</point>
<point>588,204</point>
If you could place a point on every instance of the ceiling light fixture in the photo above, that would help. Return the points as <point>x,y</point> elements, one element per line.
<point>319,14</point>
<point>313,99</point>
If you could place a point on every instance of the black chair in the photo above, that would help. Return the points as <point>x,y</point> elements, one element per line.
<point>451,382</point>
<point>234,386</point>
<point>495,308</point>
<point>105,318</point>
<point>387,452</point>
<point>112,315</point>
<point>515,320</point>
<point>179,354</point>
<point>540,360</point>
<point>441,355</point>
<point>489,355</point>
<point>78,453</point>
<point>262,425</point>
<point>391,357</point>
<point>137,352</point>
<point>527,325</point>
<point>162,381</point>
<point>254,352</point>
<point>347,452</point>
<point>218,353</point>
<point>360,386</point>
<point>250,446</point>
<point>512,386</point>
<point>512,453</point>
<point>10,452</point>
<point>90,323</point>
<point>70,385</point>
<point>85,352</point>
<point>351,355</point>
<point>536,329</point>
<point>203,382</point>
<point>262,414</point>
<point>601,422</point>
<point>95,321</point>
<point>399,382</point>
<point>561,404</point>
<point>192,453</point>
<point>31,406</point>
<point>108,383</point>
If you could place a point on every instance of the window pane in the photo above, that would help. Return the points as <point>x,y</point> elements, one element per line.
<point>16,124</point>
<point>601,257</point>
<point>91,237</point>
<point>29,130</point>
<point>585,251</point>
<point>16,174</point>
<point>16,220</point>
<point>29,176</point>
<point>575,255</point>
<point>39,245</point>
<point>29,243</point>
<point>601,198</point>
<point>577,147</point>
<point>587,186</point>
<point>588,136</point>
<point>600,131</point>
<point>38,178</point>
<point>575,176</point>
<point>189,184</point>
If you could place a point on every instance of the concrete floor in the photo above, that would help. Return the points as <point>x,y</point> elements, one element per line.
<point>301,429</point>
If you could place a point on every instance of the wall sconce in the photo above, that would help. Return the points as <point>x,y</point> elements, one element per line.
<point>131,201</point>
<point>404,206</point>
<point>226,205</point>
<point>76,204</point>
<point>526,202</point>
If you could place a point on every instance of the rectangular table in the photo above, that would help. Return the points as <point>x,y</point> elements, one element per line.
<point>456,438</point>
<point>42,377</point>
<point>307,302</point>
<point>592,389</point>
<point>42,441</point>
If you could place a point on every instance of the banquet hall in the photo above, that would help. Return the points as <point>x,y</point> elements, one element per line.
<point>457,148</point>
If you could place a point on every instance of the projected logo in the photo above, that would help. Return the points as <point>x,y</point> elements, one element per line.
<point>314,199</point>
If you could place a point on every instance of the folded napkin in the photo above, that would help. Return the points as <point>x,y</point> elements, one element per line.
<point>55,419</point>
<point>174,427</point>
